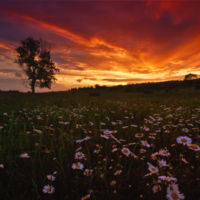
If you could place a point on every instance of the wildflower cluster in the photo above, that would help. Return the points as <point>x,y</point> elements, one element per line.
<point>110,148</point>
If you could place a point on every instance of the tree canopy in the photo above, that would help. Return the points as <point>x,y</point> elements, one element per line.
<point>35,60</point>
<point>190,76</point>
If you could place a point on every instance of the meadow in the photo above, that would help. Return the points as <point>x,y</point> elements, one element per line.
<point>114,145</point>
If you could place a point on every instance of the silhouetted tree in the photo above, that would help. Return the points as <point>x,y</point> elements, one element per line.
<point>97,86</point>
<point>190,76</point>
<point>35,60</point>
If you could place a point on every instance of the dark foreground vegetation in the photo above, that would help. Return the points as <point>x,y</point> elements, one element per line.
<point>103,143</point>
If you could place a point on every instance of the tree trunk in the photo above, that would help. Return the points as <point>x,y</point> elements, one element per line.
<point>33,82</point>
<point>33,86</point>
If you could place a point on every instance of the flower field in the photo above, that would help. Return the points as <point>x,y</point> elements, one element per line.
<point>113,146</point>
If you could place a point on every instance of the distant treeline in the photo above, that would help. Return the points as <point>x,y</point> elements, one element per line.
<point>11,91</point>
<point>167,86</point>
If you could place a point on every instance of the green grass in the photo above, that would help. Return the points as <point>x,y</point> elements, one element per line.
<point>48,127</point>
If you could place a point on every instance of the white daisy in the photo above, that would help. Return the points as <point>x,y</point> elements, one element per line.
<point>173,192</point>
<point>79,141</point>
<point>153,169</point>
<point>144,143</point>
<point>113,183</point>
<point>88,172</point>
<point>185,161</point>
<point>156,188</point>
<point>134,125</point>
<point>48,189</point>
<point>194,147</point>
<point>79,155</point>
<point>167,178</point>
<point>149,174</point>
<point>138,135</point>
<point>91,123</point>
<point>107,132</point>
<point>97,151</point>
<point>149,164</point>
<point>115,149</point>
<point>152,134</point>
<point>118,172</point>
<point>98,146</point>
<point>146,128</point>
<point>86,197</point>
<point>104,136</point>
<point>164,153</point>
<point>134,156</point>
<point>126,151</point>
<point>78,149</point>
<point>24,155</point>
<point>51,177</point>
<point>142,150</point>
<point>186,130</point>
<point>162,163</point>
<point>184,140</point>
<point>77,166</point>
<point>114,131</point>
<point>153,156</point>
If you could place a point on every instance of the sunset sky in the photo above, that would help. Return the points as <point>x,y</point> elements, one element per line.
<point>103,42</point>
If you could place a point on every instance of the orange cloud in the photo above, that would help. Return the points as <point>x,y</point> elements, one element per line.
<point>110,42</point>
<point>9,48</point>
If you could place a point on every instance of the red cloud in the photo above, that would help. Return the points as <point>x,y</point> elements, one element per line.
<point>134,37</point>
